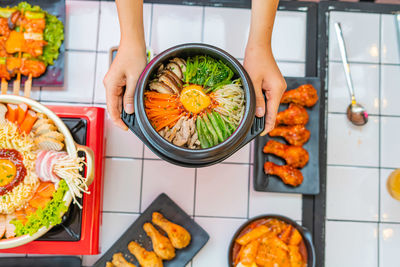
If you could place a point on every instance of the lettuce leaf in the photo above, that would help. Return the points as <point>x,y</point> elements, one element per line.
<point>53,34</point>
<point>49,215</point>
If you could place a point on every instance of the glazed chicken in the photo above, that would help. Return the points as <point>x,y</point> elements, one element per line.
<point>144,257</point>
<point>296,135</point>
<point>288,174</point>
<point>119,261</point>
<point>304,95</point>
<point>161,244</point>
<point>294,156</point>
<point>294,115</point>
<point>179,236</point>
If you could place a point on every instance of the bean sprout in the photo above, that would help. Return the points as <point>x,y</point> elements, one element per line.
<point>231,102</point>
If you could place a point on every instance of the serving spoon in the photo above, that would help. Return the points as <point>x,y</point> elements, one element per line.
<point>356,113</point>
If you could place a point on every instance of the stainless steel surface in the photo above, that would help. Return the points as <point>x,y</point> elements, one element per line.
<point>356,113</point>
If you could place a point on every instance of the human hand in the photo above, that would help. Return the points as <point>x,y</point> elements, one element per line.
<point>260,64</point>
<point>124,71</point>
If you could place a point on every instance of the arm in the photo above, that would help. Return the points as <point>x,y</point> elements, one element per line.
<point>260,63</point>
<point>129,62</point>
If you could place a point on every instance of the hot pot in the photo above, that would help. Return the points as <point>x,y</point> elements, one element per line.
<point>138,122</point>
<point>72,149</point>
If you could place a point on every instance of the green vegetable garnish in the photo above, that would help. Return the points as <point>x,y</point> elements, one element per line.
<point>53,33</point>
<point>203,141</point>
<point>49,215</point>
<point>211,129</point>
<point>207,72</point>
<point>216,127</point>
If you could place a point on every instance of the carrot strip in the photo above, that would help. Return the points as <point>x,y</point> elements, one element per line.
<point>46,189</point>
<point>21,215</point>
<point>29,210</point>
<point>38,201</point>
<point>12,112</point>
<point>28,122</point>
<point>22,109</point>
<point>168,122</point>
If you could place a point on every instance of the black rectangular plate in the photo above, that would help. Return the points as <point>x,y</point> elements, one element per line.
<point>54,75</point>
<point>135,232</point>
<point>270,183</point>
<point>68,261</point>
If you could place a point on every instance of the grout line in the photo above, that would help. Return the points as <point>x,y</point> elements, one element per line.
<point>195,192</point>
<point>249,183</point>
<point>203,15</point>
<point>151,24</point>
<point>141,180</point>
<point>379,136</point>
<point>218,217</point>
<point>81,50</point>
<point>355,221</point>
<point>344,113</point>
<point>355,166</point>
<point>96,57</point>
<point>290,61</point>
<point>120,212</point>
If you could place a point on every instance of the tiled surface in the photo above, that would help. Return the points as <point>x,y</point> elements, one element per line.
<point>366,86</point>
<point>350,244</point>
<point>362,218</point>
<point>360,33</point>
<point>390,208</point>
<point>389,243</point>
<point>353,145</point>
<point>134,176</point>
<point>359,199</point>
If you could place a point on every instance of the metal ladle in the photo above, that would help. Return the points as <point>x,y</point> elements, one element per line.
<point>356,113</point>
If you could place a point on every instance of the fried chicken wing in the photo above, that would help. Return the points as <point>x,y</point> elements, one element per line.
<point>161,244</point>
<point>288,174</point>
<point>145,258</point>
<point>293,115</point>
<point>304,95</point>
<point>296,135</point>
<point>295,156</point>
<point>120,261</point>
<point>179,236</point>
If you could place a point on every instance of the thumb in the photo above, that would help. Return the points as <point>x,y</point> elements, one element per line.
<point>129,94</point>
<point>260,102</point>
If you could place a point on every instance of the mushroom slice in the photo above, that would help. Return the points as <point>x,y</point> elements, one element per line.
<point>161,88</point>
<point>172,66</point>
<point>180,62</point>
<point>160,68</point>
<point>170,82</point>
<point>173,75</point>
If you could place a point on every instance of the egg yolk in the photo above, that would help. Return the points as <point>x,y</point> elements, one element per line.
<point>7,171</point>
<point>194,99</point>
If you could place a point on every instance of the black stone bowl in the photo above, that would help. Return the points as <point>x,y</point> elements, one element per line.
<point>138,122</point>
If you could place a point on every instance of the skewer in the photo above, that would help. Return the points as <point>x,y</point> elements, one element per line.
<point>17,84</point>
<point>4,86</point>
<point>28,86</point>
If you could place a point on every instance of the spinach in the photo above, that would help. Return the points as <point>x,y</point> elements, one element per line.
<point>207,72</point>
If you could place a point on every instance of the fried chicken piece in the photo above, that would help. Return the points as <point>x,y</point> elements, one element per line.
<point>120,261</point>
<point>288,174</point>
<point>295,156</point>
<point>304,95</point>
<point>296,135</point>
<point>144,257</point>
<point>179,236</point>
<point>161,244</point>
<point>293,115</point>
<point>34,67</point>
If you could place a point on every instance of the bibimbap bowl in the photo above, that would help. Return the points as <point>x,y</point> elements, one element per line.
<point>245,130</point>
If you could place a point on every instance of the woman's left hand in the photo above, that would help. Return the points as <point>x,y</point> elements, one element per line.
<point>266,76</point>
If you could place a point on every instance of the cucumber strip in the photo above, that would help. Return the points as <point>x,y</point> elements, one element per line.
<point>225,131</point>
<point>34,15</point>
<point>211,129</point>
<point>6,12</point>
<point>207,134</point>
<point>203,140</point>
<point>218,130</point>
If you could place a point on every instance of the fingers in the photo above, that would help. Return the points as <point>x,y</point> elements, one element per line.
<point>273,100</point>
<point>129,94</point>
<point>114,105</point>
<point>260,101</point>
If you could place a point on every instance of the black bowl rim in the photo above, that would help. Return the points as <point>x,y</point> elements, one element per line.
<point>248,115</point>
<point>305,233</point>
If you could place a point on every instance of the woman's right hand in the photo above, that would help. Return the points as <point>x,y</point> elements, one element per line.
<point>120,80</point>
